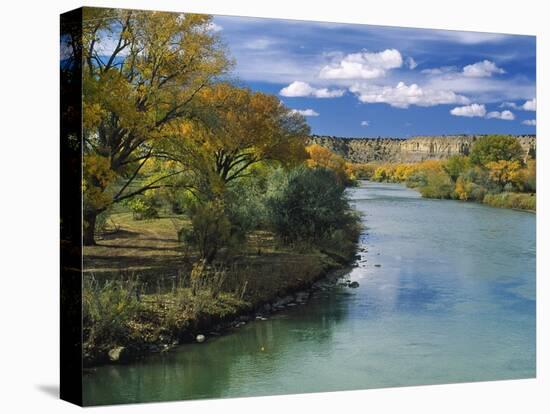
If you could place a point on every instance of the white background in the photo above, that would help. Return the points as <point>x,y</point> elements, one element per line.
<point>29,203</point>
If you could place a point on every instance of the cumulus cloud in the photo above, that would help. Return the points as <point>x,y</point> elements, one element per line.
<point>365,123</point>
<point>363,65</point>
<point>403,95</point>
<point>470,111</point>
<point>504,115</point>
<point>530,105</point>
<point>411,63</point>
<point>530,122</point>
<point>483,69</point>
<point>305,112</point>
<point>303,89</point>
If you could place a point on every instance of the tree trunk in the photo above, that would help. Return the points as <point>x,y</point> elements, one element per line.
<point>88,228</point>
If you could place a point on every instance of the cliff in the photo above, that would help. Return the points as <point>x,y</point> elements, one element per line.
<point>415,149</point>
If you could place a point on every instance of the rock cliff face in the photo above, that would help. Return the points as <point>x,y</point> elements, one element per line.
<point>414,149</point>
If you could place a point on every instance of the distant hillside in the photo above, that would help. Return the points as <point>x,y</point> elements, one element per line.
<point>415,149</point>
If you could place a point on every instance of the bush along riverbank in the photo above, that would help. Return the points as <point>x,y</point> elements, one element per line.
<point>495,172</point>
<point>258,250</point>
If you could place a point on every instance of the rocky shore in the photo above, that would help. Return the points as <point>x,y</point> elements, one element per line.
<point>330,275</point>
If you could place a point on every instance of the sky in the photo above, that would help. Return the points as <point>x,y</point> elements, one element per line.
<point>368,81</point>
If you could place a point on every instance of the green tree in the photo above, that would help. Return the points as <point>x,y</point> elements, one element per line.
<point>455,166</point>
<point>141,72</point>
<point>492,148</point>
<point>309,205</point>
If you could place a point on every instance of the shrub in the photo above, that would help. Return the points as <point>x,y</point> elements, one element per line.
<point>101,222</point>
<point>144,207</point>
<point>361,171</point>
<point>245,205</point>
<point>208,279</point>
<point>210,229</point>
<point>310,207</point>
<point>467,190</point>
<point>108,308</point>
<point>384,173</point>
<point>521,201</point>
<point>530,177</point>
<point>438,185</point>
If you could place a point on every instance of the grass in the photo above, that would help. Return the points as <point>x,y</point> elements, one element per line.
<point>144,246</point>
<point>521,201</point>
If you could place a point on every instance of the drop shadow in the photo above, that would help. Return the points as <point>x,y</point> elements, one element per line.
<point>49,389</point>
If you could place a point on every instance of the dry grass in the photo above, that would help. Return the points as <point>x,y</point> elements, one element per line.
<point>145,246</point>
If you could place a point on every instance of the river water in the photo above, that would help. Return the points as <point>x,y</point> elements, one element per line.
<point>447,294</point>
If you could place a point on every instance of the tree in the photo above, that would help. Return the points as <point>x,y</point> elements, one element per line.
<point>309,205</point>
<point>495,148</point>
<point>322,157</point>
<point>437,185</point>
<point>503,172</point>
<point>455,166</point>
<point>242,129</point>
<point>141,72</point>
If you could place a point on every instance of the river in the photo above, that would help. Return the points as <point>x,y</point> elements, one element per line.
<point>446,295</point>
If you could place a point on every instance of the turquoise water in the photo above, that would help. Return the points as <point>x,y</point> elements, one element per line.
<point>453,300</point>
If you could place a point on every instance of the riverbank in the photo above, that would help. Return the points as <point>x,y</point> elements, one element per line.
<point>152,309</point>
<point>167,320</point>
<point>496,171</point>
<point>516,201</point>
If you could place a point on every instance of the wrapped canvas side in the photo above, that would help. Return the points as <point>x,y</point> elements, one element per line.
<point>71,206</point>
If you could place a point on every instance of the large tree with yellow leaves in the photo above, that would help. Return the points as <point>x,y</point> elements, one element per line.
<point>243,128</point>
<point>141,73</point>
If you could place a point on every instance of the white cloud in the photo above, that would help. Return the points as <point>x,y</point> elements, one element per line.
<point>470,111</point>
<point>305,112</point>
<point>530,105</point>
<point>512,105</point>
<point>213,27</point>
<point>302,89</point>
<point>483,69</point>
<point>438,71</point>
<point>362,65</point>
<point>467,38</point>
<point>404,95</point>
<point>261,43</point>
<point>504,115</point>
<point>484,90</point>
<point>530,122</point>
<point>411,63</point>
<point>365,123</point>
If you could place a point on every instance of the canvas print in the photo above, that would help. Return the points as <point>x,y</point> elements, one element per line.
<point>258,206</point>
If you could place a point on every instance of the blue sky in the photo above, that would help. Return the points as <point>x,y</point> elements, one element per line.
<point>363,80</point>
